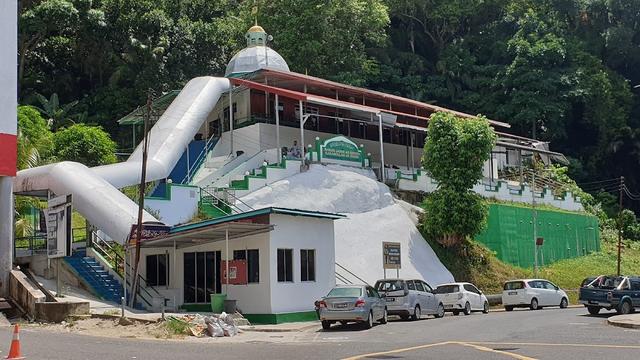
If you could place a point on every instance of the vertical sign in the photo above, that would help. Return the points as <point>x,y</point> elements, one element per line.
<point>59,226</point>
<point>8,90</point>
<point>391,255</point>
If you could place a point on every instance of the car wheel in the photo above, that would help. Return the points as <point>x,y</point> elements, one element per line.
<point>534,304</point>
<point>440,312</point>
<point>416,313</point>
<point>456,312</point>
<point>368,324</point>
<point>593,310</point>
<point>508,308</point>
<point>485,308</point>
<point>625,308</point>
<point>564,303</point>
<point>326,325</point>
<point>384,317</point>
<point>467,308</point>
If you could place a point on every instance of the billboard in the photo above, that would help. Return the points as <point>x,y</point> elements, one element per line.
<point>8,90</point>
<point>58,222</point>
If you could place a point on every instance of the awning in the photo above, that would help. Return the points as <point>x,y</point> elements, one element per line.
<point>207,234</point>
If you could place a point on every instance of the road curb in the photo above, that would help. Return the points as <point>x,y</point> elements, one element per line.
<point>276,330</point>
<point>624,322</point>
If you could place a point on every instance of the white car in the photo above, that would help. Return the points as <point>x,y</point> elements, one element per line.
<point>462,297</point>
<point>533,293</point>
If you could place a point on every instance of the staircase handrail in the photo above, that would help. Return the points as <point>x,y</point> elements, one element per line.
<point>235,198</point>
<point>343,279</point>
<point>212,204</point>
<point>198,161</point>
<point>227,197</point>
<point>250,158</point>
<point>352,274</point>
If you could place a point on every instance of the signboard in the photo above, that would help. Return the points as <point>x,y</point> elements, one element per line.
<point>149,231</point>
<point>539,241</point>
<point>58,224</point>
<point>237,272</point>
<point>391,255</point>
<point>342,149</point>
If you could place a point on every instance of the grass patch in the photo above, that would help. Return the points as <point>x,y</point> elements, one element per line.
<point>175,326</point>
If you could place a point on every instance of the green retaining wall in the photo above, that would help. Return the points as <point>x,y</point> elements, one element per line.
<point>566,234</point>
<point>261,318</point>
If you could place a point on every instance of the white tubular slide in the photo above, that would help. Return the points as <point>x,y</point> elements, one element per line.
<point>95,191</point>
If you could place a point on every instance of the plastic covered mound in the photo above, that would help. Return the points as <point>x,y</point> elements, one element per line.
<point>325,188</point>
<point>373,216</point>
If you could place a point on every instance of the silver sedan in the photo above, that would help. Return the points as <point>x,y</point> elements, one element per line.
<point>352,303</point>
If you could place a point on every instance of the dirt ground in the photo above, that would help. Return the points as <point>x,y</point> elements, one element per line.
<point>112,328</point>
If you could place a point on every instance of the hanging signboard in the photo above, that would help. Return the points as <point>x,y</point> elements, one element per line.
<point>391,255</point>
<point>58,224</point>
<point>149,231</point>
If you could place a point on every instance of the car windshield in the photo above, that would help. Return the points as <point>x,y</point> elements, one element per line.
<point>390,285</point>
<point>514,285</point>
<point>345,292</point>
<point>447,289</point>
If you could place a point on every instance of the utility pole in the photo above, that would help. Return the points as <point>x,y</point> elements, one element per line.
<point>534,212</point>
<point>143,179</point>
<point>620,222</point>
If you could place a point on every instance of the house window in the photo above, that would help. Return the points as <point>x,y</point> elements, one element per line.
<point>307,265</point>
<point>285,265</point>
<point>252,256</point>
<point>157,270</point>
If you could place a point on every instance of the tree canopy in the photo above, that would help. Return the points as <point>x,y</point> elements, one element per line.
<point>564,69</point>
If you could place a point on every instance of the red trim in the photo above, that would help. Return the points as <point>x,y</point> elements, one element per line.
<point>274,90</point>
<point>8,154</point>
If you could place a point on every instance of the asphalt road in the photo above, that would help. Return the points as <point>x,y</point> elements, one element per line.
<point>521,334</point>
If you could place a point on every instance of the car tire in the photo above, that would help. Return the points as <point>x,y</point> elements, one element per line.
<point>416,313</point>
<point>534,304</point>
<point>456,312</point>
<point>467,308</point>
<point>485,308</point>
<point>564,303</point>
<point>593,310</point>
<point>384,319</point>
<point>440,312</point>
<point>625,308</point>
<point>326,325</point>
<point>368,324</point>
<point>508,308</point>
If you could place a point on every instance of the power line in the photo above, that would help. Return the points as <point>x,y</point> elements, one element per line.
<point>616,180</point>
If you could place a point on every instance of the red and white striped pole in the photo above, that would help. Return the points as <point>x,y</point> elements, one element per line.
<point>8,131</point>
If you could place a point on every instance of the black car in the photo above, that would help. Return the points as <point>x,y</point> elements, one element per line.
<point>620,293</point>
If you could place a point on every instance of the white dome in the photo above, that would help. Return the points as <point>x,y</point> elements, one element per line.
<point>253,58</point>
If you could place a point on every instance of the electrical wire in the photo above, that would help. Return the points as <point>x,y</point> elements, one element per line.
<point>599,181</point>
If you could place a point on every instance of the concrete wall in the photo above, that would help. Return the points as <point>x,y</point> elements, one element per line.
<point>25,294</point>
<point>501,191</point>
<point>59,311</point>
<point>180,206</point>
<point>302,233</point>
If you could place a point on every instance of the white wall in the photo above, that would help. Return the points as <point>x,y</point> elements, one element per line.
<point>297,232</point>
<point>179,207</point>
<point>252,298</point>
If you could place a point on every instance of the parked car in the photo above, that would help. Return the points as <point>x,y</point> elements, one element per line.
<point>462,297</point>
<point>352,303</point>
<point>533,293</point>
<point>409,298</point>
<point>621,293</point>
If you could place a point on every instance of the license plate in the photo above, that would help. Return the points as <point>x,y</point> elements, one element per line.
<point>513,293</point>
<point>390,299</point>
<point>448,306</point>
<point>341,305</point>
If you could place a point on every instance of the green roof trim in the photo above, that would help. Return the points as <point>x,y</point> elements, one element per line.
<point>159,106</point>
<point>252,213</point>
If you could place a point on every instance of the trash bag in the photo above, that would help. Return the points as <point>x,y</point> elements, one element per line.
<point>213,327</point>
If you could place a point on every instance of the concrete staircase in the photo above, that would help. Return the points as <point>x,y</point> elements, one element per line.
<point>94,275</point>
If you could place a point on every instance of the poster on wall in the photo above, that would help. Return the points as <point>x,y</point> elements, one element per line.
<point>58,223</point>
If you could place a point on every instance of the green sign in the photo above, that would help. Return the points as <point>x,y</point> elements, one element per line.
<point>341,148</point>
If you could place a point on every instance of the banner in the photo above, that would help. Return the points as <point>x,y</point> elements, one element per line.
<point>8,90</point>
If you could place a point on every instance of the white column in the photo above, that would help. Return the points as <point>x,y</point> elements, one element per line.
<point>231,119</point>
<point>278,148</point>
<point>226,264</point>
<point>382,172</point>
<point>8,128</point>
<point>301,128</point>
